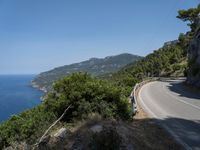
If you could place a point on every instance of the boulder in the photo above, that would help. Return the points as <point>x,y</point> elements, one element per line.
<point>96,128</point>
<point>62,133</point>
<point>19,146</point>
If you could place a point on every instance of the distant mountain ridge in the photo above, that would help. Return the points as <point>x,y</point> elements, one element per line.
<point>94,66</point>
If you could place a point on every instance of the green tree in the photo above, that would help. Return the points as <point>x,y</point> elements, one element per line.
<point>190,15</point>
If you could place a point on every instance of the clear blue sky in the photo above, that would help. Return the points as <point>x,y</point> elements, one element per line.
<point>38,35</point>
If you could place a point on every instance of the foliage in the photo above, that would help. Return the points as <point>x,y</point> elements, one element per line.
<point>163,62</point>
<point>193,16</point>
<point>26,126</point>
<point>190,15</point>
<point>107,139</point>
<point>90,95</point>
<point>94,66</point>
<point>85,94</point>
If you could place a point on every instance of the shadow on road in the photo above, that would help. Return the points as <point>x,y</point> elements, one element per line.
<point>188,131</point>
<point>183,91</point>
<point>148,134</point>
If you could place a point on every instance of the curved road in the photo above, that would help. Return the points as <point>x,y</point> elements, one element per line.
<point>175,108</point>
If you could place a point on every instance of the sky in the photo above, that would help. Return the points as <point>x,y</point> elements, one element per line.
<point>38,35</point>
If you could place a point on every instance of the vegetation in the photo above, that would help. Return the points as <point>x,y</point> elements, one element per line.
<point>190,16</point>
<point>94,66</point>
<point>26,126</point>
<point>86,95</point>
<point>89,95</point>
<point>169,60</point>
<point>108,139</point>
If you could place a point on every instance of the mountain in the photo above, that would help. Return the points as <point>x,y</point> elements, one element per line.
<point>94,66</point>
<point>168,61</point>
<point>81,97</point>
<point>176,58</point>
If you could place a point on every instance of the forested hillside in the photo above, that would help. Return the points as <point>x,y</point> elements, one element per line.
<point>170,60</point>
<point>85,94</point>
<point>88,95</point>
<point>167,61</point>
<point>94,66</point>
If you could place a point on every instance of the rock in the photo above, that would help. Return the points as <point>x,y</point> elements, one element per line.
<point>19,146</point>
<point>77,143</point>
<point>194,59</point>
<point>166,44</point>
<point>62,133</point>
<point>96,128</point>
<point>56,141</point>
<point>130,147</point>
<point>9,148</point>
<point>43,144</point>
<point>24,146</point>
<point>46,139</point>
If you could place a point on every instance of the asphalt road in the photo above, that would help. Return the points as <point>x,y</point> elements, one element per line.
<point>176,108</point>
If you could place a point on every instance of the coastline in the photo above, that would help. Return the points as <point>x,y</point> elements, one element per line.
<point>18,95</point>
<point>35,85</point>
<point>43,89</point>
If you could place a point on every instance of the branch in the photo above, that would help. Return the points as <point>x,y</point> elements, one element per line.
<point>41,139</point>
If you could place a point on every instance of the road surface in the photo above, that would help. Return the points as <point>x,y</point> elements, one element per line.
<point>176,108</point>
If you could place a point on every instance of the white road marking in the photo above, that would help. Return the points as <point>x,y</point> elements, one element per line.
<point>186,146</point>
<point>180,100</point>
<point>148,109</point>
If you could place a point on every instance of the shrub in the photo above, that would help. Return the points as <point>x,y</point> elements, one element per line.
<point>107,139</point>
<point>86,95</point>
<point>26,126</point>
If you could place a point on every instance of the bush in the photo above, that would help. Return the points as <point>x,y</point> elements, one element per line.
<point>86,95</point>
<point>26,126</point>
<point>156,64</point>
<point>107,139</point>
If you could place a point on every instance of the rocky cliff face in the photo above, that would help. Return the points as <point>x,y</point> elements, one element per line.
<point>194,59</point>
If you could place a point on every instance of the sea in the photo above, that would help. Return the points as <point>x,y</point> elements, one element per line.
<point>17,95</point>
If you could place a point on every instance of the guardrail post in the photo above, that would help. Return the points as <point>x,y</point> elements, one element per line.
<point>133,96</point>
<point>134,100</point>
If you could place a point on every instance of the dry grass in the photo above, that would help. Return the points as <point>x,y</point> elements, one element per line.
<point>140,134</point>
<point>149,135</point>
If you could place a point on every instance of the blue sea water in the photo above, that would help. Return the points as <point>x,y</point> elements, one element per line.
<point>17,95</point>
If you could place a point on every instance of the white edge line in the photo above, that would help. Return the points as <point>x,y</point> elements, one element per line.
<point>186,146</point>
<point>180,100</point>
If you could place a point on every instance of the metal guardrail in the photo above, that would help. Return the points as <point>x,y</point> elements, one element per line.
<point>133,96</point>
<point>132,99</point>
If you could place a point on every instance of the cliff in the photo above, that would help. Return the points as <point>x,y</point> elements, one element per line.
<point>194,58</point>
